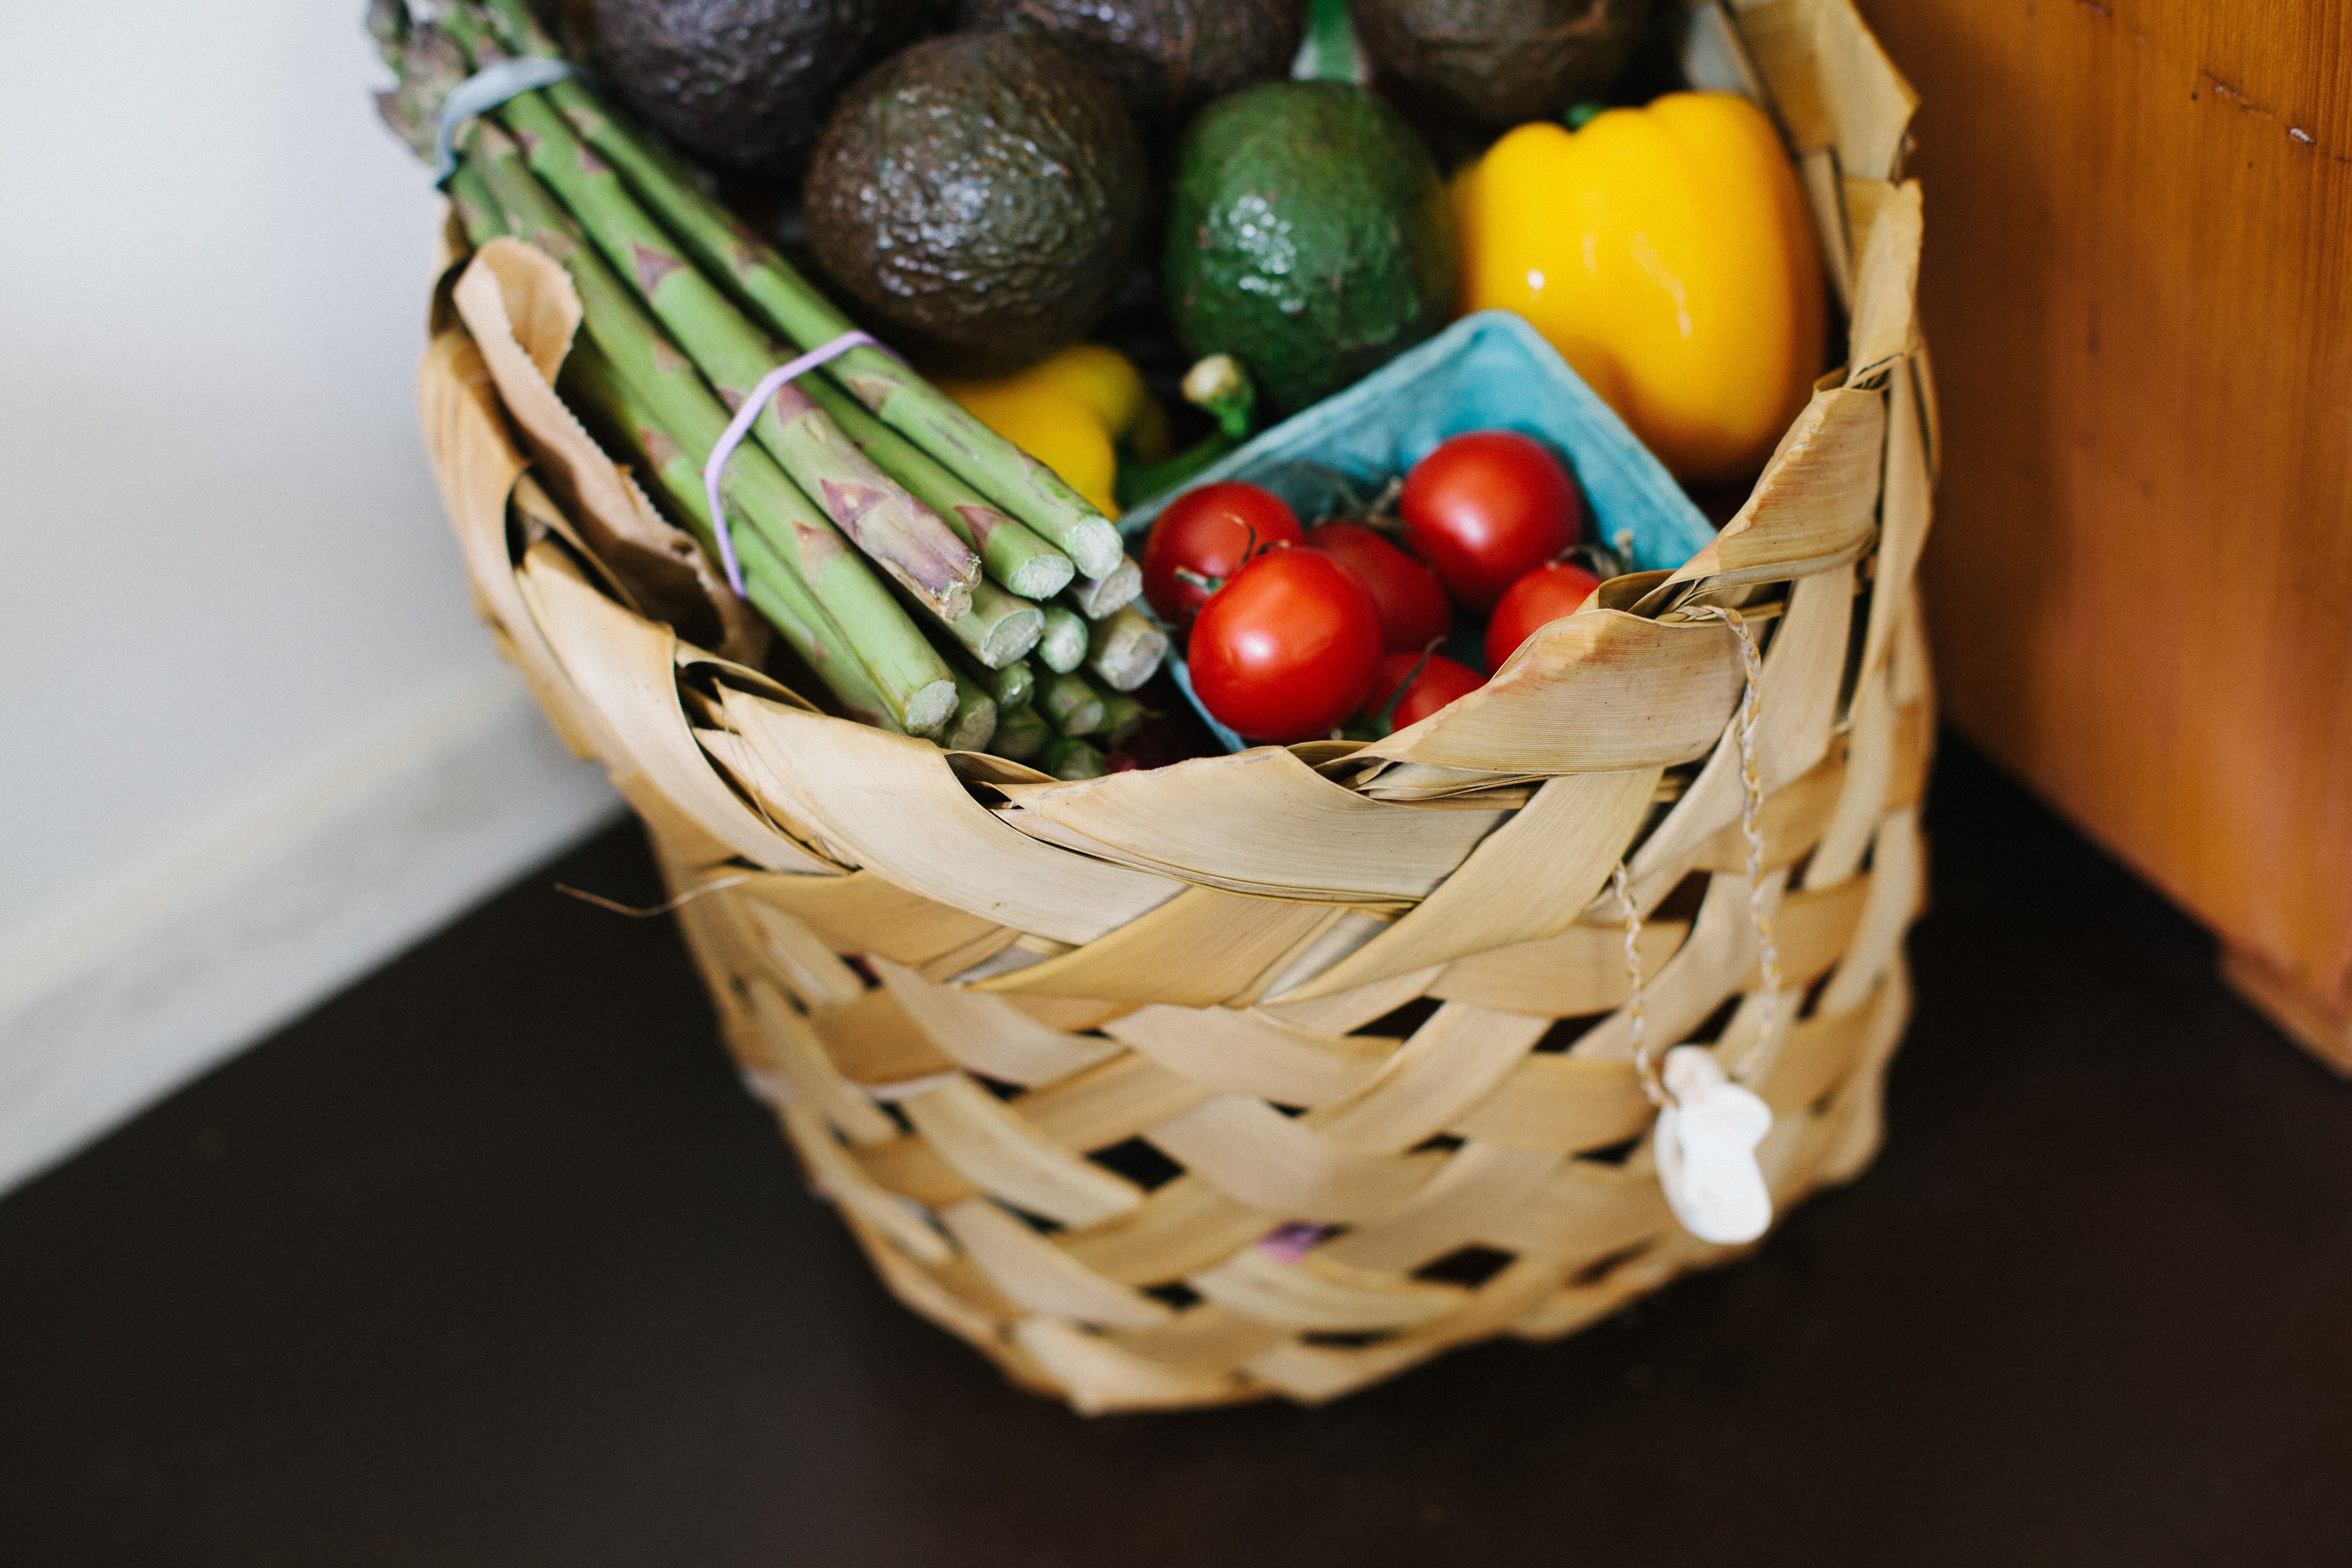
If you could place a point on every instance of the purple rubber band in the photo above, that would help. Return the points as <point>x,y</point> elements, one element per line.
<point>741,426</point>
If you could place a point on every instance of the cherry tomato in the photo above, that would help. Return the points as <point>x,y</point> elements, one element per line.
<point>1285,650</point>
<point>1486,508</point>
<point>1439,682</point>
<point>1206,534</point>
<point>1533,603</point>
<point>1413,612</point>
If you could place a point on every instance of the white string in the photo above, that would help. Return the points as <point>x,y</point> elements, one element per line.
<point>1751,808</point>
<point>738,427</point>
<point>1760,902</point>
<point>1643,1067</point>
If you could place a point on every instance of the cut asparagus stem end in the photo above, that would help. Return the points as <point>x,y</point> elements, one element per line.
<point>930,709</point>
<point>1099,596</point>
<point>973,723</point>
<point>1014,634</point>
<point>1125,649</point>
<point>1009,688</point>
<point>1021,734</point>
<point>1043,576</point>
<point>1071,704</point>
<point>1014,685</point>
<point>1094,547</point>
<point>1062,646</point>
<point>1068,758</point>
<point>999,628</point>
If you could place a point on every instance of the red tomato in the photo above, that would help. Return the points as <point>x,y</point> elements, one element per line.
<point>1207,533</point>
<point>1285,650</point>
<point>1441,680</point>
<point>1533,603</point>
<point>1486,508</point>
<point>1413,612</point>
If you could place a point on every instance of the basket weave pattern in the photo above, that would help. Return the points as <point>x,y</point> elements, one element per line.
<point>1275,1074</point>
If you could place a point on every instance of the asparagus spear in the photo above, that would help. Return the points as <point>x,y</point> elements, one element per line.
<point>1021,734</point>
<point>592,384</point>
<point>999,628</point>
<point>1067,757</point>
<point>1099,596</point>
<point>1012,553</point>
<point>903,535</point>
<point>1070,703</point>
<point>1062,646</point>
<point>477,209</point>
<point>1009,686</point>
<point>974,723</point>
<point>427,68</point>
<point>1126,648</point>
<point>995,468</point>
<point>917,688</point>
<point>778,595</point>
<point>1014,684</point>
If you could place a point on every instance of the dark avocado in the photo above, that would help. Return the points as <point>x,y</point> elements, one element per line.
<point>1311,238</point>
<point>1497,63</point>
<point>744,84</point>
<point>981,197</point>
<point>1166,58</point>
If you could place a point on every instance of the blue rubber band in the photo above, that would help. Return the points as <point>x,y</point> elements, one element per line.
<point>483,91</point>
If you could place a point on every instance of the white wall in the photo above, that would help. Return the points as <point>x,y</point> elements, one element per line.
<point>231,616</point>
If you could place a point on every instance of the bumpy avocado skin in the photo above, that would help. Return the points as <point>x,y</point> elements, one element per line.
<point>742,83</point>
<point>1166,58</point>
<point>1497,63</point>
<point>1311,238</point>
<point>982,196</point>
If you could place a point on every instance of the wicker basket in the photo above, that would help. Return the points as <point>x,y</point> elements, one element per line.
<point>1276,1073</point>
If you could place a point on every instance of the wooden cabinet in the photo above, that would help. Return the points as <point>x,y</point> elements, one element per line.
<point>2137,280</point>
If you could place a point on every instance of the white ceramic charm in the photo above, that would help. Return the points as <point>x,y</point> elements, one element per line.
<point>1707,1139</point>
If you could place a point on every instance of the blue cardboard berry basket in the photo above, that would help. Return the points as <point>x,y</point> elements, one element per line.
<point>1491,371</point>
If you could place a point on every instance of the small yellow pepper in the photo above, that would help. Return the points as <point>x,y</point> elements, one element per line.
<point>1666,253</point>
<point>1070,412</point>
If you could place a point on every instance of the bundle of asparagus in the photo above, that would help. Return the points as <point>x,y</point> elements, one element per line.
<point>985,556</point>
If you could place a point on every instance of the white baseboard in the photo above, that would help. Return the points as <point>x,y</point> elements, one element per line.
<point>240,927</point>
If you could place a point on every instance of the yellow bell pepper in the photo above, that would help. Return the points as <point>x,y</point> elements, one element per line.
<point>1070,412</point>
<point>1665,252</point>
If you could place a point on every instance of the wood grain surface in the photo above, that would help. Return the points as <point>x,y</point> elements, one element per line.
<point>2136,287</point>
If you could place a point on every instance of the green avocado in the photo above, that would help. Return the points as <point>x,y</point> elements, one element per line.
<point>983,196</point>
<point>1497,63</point>
<point>1311,238</point>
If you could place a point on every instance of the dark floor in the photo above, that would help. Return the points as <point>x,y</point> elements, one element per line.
<point>490,1261</point>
